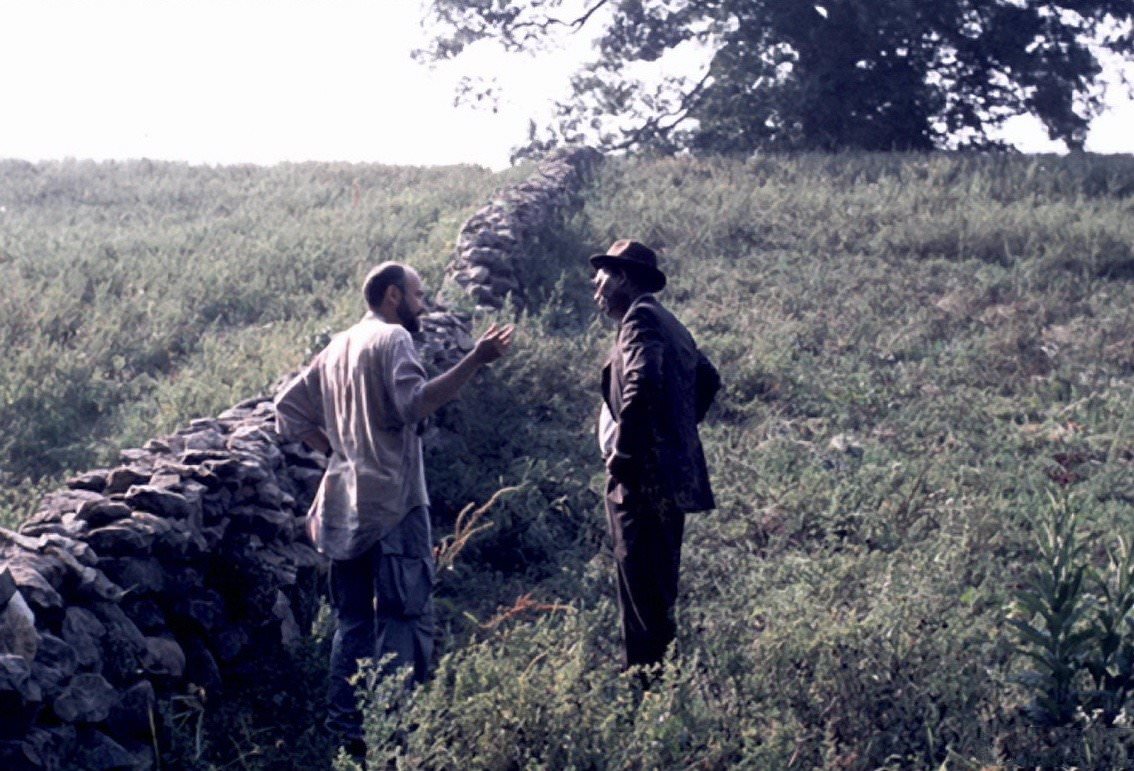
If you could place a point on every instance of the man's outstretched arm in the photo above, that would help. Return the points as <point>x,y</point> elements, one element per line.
<point>494,343</point>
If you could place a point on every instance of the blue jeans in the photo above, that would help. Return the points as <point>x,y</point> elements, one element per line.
<point>383,603</point>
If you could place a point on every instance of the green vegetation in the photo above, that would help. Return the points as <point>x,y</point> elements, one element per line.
<point>138,295</point>
<point>920,354</point>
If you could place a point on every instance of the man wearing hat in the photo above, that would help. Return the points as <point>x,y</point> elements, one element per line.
<point>656,387</point>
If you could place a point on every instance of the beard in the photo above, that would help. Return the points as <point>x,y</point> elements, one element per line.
<point>409,320</point>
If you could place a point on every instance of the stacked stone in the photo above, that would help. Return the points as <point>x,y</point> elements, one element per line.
<point>493,244</point>
<point>160,575</point>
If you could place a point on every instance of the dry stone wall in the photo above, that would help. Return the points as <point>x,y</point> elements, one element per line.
<point>182,564</point>
<point>164,573</point>
<point>495,243</point>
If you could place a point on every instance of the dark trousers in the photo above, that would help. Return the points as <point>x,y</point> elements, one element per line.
<point>647,535</point>
<point>383,603</point>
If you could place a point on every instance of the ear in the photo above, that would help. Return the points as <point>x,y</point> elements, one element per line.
<point>393,294</point>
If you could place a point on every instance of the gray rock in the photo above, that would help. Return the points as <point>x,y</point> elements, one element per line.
<point>484,294</point>
<point>54,505</point>
<point>200,664</point>
<point>134,574</point>
<point>94,480</point>
<point>156,500</point>
<point>183,540</point>
<point>83,631</point>
<point>203,606</point>
<point>86,581</point>
<point>7,586</point>
<point>103,512</point>
<point>98,752</point>
<point>268,523</point>
<point>503,284</point>
<point>253,471</point>
<point>123,478</point>
<point>269,494</point>
<point>51,748</point>
<point>290,633</point>
<point>15,678</point>
<point>209,438</point>
<point>165,480</point>
<point>229,641</point>
<point>34,587</point>
<point>477,275</point>
<point>163,657</point>
<point>55,663</point>
<point>88,698</point>
<point>299,454</point>
<point>308,479</point>
<point>123,645</point>
<point>146,614</point>
<point>181,581</point>
<point>70,526</point>
<point>166,445</point>
<point>136,455</point>
<point>204,457</point>
<point>121,538</point>
<point>490,258</point>
<point>130,719</point>
<point>61,543</point>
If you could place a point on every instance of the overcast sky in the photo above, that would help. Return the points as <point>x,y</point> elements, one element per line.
<point>261,81</point>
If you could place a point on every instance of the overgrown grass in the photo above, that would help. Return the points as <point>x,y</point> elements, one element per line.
<point>138,295</point>
<point>916,350</point>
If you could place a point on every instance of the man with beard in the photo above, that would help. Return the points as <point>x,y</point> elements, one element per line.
<point>360,400</point>
<point>656,388</point>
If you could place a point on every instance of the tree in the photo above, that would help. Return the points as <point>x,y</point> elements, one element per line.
<point>810,74</point>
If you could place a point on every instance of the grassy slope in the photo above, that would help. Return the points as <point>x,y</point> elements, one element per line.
<point>909,345</point>
<point>138,295</point>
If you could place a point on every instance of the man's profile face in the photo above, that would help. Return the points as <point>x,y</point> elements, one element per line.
<point>412,304</point>
<point>609,295</point>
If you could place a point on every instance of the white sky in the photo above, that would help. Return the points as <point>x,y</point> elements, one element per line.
<point>261,81</point>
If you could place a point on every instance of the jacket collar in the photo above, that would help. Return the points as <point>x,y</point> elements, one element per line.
<point>642,299</point>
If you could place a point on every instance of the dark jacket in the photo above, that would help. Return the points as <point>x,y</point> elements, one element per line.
<point>658,387</point>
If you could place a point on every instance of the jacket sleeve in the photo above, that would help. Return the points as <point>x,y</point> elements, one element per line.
<point>299,405</point>
<point>707,385</point>
<point>642,349</point>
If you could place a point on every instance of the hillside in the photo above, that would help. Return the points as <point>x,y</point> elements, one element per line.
<point>926,358</point>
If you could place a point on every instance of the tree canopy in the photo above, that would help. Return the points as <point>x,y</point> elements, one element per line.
<point>810,74</point>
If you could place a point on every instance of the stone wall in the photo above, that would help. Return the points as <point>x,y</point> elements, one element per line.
<point>496,242</point>
<point>185,562</point>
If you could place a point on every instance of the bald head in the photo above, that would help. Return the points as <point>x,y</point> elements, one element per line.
<point>394,292</point>
<point>380,279</point>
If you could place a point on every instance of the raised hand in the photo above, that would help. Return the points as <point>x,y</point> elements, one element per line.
<point>494,343</point>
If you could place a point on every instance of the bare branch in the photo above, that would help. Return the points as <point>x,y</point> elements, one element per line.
<point>657,125</point>
<point>577,23</point>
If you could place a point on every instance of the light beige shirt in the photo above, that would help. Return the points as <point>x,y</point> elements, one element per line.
<point>364,391</point>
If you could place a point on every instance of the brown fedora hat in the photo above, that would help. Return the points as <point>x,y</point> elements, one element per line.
<point>633,257</point>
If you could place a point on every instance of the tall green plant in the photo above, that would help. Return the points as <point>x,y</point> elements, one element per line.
<point>1056,635</point>
<point>1112,664</point>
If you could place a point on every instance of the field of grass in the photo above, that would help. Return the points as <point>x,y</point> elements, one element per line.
<point>926,359</point>
<point>137,295</point>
